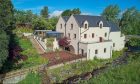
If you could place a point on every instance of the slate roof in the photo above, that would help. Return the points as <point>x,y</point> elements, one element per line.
<point>93,21</point>
<point>65,18</point>
<point>114,27</point>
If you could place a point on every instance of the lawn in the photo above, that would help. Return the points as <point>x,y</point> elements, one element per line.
<point>123,74</point>
<point>68,70</point>
<point>31,78</point>
<point>28,50</point>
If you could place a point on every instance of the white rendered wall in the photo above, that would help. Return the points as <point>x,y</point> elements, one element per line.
<point>75,30</point>
<point>58,25</point>
<point>118,40</point>
<point>98,32</point>
<point>90,50</point>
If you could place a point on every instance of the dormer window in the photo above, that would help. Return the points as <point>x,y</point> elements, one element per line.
<point>86,26</point>
<point>61,26</point>
<point>101,24</point>
<point>71,26</point>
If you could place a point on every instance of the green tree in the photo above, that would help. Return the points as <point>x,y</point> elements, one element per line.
<point>76,11</point>
<point>24,16</point>
<point>51,23</point>
<point>6,15</point>
<point>39,23</point>
<point>111,13</point>
<point>130,21</point>
<point>70,12</point>
<point>44,12</point>
<point>66,13</point>
<point>3,47</point>
<point>6,26</point>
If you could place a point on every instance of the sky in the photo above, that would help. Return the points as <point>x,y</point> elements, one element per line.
<point>87,7</point>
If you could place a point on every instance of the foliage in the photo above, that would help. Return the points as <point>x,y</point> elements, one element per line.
<point>6,25</point>
<point>51,23</point>
<point>70,12</point>
<point>24,58</point>
<point>134,42</point>
<point>44,12</point>
<point>31,78</point>
<point>69,70</point>
<point>23,17</point>
<point>4,41</point>
<point>111,13</point>
<point>63,42</point>
<point>129,22</point>
<point>124,74</point>
<point>40,23</point>
<point>6,15</point>
<point>116,54</point>
<point>22,30</point>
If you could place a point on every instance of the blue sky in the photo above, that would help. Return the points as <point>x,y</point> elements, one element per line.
<point>92,7</point>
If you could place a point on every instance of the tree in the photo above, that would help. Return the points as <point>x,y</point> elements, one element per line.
<point>23,17</point>
<point>44,12</point>
<point>70,12</point>
<point>76,11</point>
<point>6,15</point>
<point>111,13</point>
<point>39,23</point>
<point>6,26</point>
<point>66,13</point>
<point>4,41</point>
<point>63,42</point>
<point>51,23</point>
<point>130,21</point>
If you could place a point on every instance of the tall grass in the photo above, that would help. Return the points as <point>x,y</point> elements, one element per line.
<point>123,74</point>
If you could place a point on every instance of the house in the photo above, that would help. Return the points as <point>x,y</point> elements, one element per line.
<point>91,36</point>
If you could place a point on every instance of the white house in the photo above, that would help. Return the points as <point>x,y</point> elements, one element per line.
<point>91,36</point>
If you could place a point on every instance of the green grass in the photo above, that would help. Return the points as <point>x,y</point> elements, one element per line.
<point>33,57</point>
<point>123,74</point>
<point>69,70</point>
<point>31,78</point>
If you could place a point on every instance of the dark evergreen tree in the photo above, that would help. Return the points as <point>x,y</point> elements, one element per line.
<point>44,12</point>
<point>6,26</point>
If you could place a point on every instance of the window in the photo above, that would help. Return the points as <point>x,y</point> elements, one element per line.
<point>75,36</point>
<point>69,35</point>
<point>101,25</point>
<point>40,32</point>
<point>86,26</point>
<point>61,26</point>
<point>85,35</point>
<point>71,26</point>
<point>105,34</point>
<point>104,50</point>
<point>101,39</point>
<point>96,51</point>
<point>92,35</point>
<point>113,44</point>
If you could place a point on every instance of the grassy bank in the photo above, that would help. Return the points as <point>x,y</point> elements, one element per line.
<point>61,73</point>
<point>31,78</point>
<point>123,74</point>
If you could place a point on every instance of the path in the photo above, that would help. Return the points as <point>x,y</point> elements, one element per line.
<point>39,49</point>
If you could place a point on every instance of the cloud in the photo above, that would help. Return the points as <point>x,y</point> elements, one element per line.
<point>35,8</point>
<point>86,13</point>
<point>56,13</point>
